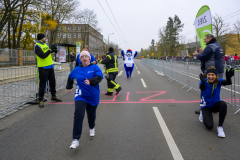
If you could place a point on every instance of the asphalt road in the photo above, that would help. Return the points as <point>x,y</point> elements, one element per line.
<point>152,118</point>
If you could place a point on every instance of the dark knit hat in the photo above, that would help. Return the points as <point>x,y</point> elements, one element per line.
<point>40,36</point>
<point>110,49</point>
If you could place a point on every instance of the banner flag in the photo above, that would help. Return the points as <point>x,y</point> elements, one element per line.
<point>203,24</point>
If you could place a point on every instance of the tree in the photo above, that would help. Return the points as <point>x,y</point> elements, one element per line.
<point>89,19</point>
<point>58,11</point>
<point>173,28</point>
<point>220,28</point>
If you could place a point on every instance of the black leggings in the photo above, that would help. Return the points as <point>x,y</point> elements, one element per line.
<point>80,107</point>
<point>220,107</point>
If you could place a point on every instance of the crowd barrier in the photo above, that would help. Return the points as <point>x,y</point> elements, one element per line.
<point>19,85</point>
<point>187,73</point>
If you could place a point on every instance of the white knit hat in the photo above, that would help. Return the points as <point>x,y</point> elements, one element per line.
<point>85,53</point>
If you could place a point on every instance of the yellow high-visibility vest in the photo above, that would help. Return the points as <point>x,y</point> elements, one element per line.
<point>48,60</point>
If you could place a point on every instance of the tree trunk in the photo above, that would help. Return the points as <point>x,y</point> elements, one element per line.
<point>20,27</point>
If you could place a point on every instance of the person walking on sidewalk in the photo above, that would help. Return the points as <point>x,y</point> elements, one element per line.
<point>78,61</point>
<point>45,69</point>
<point>210,101</point>
<point>111,68</point>
<point>87,95</point>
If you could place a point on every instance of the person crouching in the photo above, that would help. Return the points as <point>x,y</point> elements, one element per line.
<point>210,100</point>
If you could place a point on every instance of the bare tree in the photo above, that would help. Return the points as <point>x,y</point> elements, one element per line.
<point>89,19</point>
<point>61,11</point>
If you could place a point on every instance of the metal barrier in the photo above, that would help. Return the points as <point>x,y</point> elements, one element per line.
<point>8,57</point>
<point>29,57</point>
<point>187,73</point>
<point>19,85</point>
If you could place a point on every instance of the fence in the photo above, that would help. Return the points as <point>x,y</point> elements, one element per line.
<point>187,73</point>
<point>29,57</point>
<point>19,85</point>
<point>8,57</point>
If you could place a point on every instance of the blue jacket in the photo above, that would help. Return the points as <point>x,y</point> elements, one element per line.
<point>211,94</point>
<point>212,56</point>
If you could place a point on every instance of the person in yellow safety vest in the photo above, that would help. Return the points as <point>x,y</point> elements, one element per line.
<point>111,68</point>
<point>45,69</point>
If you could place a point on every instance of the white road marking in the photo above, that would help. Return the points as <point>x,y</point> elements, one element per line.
<point>144,84</point>
<point>170,141</point>
<point>136,67</point>
<point>120,73</point>
<point>160,73</point>
<point>138,72</point>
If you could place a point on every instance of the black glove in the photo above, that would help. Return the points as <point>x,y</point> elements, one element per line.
<point>229,73</point>
<point>54,48</point>
<point>202,77</point>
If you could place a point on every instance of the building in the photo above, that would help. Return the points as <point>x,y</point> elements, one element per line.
<point>84,33</point>
<point>232,44</point>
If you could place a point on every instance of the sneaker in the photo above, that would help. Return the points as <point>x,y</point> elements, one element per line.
<point>220,132</point>
<point>56,99</point>
<point>92,132</point>
<point>74,144</point>
<point>41,104</point>
<point>118,90</point>
<point>201,116</point>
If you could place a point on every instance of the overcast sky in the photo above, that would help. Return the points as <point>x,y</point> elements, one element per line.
<point>140,20</point>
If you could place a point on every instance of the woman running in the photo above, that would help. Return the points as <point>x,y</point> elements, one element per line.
<point>87,95</point>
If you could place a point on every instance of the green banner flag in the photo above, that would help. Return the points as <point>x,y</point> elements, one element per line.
<point>203,24</point>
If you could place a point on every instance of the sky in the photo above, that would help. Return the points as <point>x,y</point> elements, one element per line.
<point>140,20</point>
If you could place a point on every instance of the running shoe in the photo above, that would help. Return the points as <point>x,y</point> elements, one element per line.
<point>201,116</point>
<point>41,104</point>
<point>92,132</point>
<point>74,144</point>
<point>56,99</point>
<point>220,132</point>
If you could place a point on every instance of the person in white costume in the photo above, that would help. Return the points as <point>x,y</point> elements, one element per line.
<point>129,62</point>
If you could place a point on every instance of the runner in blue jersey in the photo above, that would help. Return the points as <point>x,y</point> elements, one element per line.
<point>78,62</point>
<point>87,95</point>
<point>210,100</point>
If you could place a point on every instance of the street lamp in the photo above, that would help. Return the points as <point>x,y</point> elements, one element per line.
<point>108,38</point>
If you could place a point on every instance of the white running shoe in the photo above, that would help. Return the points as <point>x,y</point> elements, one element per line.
<point>201,116</point>
<point>220,132</point>
<point>92,132</point>
<point>74,144</point>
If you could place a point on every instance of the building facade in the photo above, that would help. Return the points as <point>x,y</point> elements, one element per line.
<point>84,33</point>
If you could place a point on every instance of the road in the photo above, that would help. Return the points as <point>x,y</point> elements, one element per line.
<point>152,118</point>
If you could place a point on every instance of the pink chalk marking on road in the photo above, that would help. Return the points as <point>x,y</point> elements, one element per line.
<point>160,101</point>
<point>114,98</point>
<point>127,96</point>
<point>144,99</point>
<point>150,92</point>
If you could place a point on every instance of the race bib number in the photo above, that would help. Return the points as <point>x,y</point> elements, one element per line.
<point>78,92</point>
<point>203,102</point>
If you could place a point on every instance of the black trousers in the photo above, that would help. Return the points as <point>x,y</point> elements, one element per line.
<point>44,75</point>
<point>220,107</point>
<point>80,107</point>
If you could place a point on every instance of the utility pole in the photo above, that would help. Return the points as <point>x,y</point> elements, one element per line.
<point>108,38</point>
